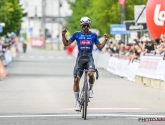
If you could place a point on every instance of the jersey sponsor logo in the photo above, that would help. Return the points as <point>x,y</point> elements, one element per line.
<point>159,16</point>
<point>85,48</point>
<point>85,42</point>
<point>82,37</point>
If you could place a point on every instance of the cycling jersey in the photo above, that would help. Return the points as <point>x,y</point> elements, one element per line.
<point>84,42</point>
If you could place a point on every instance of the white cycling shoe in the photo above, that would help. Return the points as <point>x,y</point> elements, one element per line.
<point>77,107</point>
<point>91,94</point>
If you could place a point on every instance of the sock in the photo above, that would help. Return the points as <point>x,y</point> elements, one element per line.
<point>76,96</point>
<point>90,86</point>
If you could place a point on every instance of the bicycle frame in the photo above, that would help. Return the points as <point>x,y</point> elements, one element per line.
<point>84,96</point>
<point>85,83</point>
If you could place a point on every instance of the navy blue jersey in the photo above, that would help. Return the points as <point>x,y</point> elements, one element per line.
<point>85,42</point>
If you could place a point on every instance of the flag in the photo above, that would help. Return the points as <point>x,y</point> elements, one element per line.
<point>122,2</point>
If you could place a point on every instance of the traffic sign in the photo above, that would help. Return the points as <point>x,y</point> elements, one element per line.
<point>1,29</point>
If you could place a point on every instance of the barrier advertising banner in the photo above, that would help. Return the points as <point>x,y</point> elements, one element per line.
<point>8,57</point>
<point>131,71</point>
<point>3,72</point>
<point>148,66</point>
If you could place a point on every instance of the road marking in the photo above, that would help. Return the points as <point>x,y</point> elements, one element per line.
<point>51,57</point>
<point>31,57</point>
<point>22,57</point>
<point>60,57</point>
<point>41,57</point>
<point>79,115</point>
<point>69,57</point>
<point>110,109</point>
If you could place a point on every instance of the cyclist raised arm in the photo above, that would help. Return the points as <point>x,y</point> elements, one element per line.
<point>101,45</point>
<point>65,41</point>
<point>85,40</point>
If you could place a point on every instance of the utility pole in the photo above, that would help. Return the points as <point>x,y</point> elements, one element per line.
<point>59,23</point>
<point>122,17</point>
<point>43,20</point>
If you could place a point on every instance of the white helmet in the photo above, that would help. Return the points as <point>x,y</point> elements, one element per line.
<point>85,20</point>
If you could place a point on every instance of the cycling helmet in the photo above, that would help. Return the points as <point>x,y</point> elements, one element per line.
<point>85,20</point>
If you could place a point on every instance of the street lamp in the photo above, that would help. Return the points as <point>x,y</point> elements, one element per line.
<point>43,20</point>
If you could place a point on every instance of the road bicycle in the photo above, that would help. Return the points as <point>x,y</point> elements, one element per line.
<point>84,95</point>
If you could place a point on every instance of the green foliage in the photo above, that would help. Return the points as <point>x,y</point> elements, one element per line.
<point>102,13</point>
<point>11,14</point>
<point>79,9</point>
<point>5,9</point>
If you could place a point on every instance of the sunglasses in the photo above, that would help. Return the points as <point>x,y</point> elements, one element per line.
<point>85,25</point>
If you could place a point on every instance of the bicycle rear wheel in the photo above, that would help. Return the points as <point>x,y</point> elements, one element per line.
<point>85,101</point>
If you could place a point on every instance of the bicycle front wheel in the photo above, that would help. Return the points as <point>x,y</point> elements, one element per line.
<point>85,101</point>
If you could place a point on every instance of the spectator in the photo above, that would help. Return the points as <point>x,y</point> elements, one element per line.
<point>136,51</point>
<point>121,48</point>
<point>162,43</point>
<point>149,46</point>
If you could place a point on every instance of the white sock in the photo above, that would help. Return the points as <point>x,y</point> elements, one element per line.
<point>76,96</point>
<point>90,86</point>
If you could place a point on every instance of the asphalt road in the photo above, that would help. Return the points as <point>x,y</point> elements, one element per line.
<point>39,91</point>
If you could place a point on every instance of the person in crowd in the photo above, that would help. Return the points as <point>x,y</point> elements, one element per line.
<point>162,43</point>
<point>24,44</point>
<point>149,46</point>
<point>121,48</point>
<point>137,39</point>
<point>111,48</point>
<point>127,50</point>
<point>6,45</point>
<point>136,51</point>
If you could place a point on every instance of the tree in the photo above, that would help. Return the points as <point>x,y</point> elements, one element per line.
<point>5,9</point>
<point>12,16</point>
<point>103,13</point>
<point>79,9</point>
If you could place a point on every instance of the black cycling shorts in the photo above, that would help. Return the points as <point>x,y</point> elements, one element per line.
<point>90,65</point>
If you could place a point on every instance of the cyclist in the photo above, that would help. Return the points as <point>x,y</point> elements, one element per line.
<point>85,40</point>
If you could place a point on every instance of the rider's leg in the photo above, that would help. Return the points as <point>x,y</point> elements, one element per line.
<point>76,88</point>
<point>91,80</point>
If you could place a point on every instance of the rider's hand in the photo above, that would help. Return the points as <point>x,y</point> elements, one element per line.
<point>106,37</point>
<point>64,31</point>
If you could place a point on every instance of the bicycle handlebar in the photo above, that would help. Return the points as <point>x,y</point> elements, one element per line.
<point>93,70</point>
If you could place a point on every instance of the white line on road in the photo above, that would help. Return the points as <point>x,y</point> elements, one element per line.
<point>41,57</point>
<point>109,109</point>
<point>22,57</point>
<point>31,57</point>
<point>51,57</point>
<point>60,57</point>
<point>79,115</point>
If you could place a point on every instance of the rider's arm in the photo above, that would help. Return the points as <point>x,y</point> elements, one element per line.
<point>65,41</point>
<point>101,45</point>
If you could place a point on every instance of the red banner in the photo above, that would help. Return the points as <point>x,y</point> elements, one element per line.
<point>122,2</point>
<point>37,42</point>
